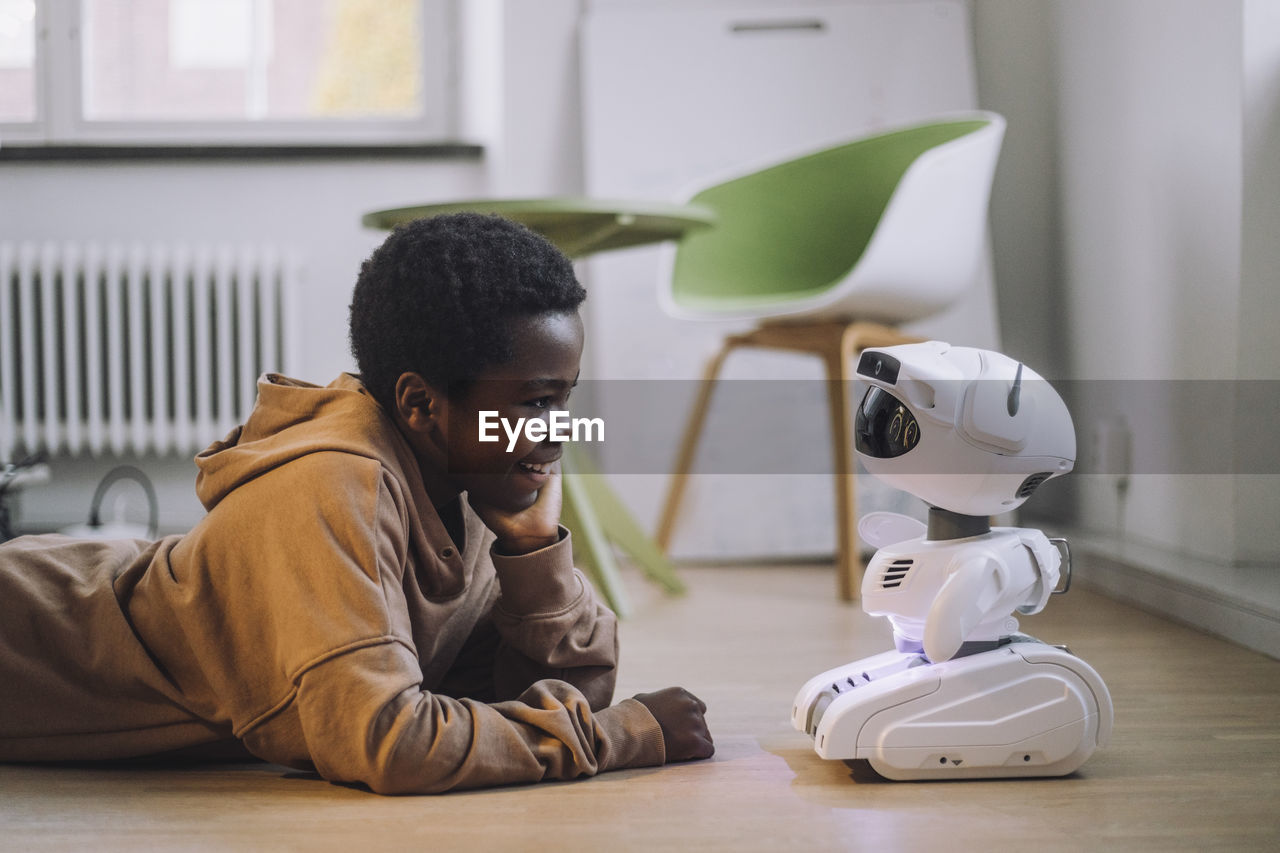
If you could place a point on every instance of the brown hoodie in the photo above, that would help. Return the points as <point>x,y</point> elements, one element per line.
<point>321,615</point>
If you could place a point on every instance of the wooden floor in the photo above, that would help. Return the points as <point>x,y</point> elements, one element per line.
<point>1194,762</point>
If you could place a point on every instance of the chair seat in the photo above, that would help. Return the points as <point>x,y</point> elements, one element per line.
<point>889,227</point>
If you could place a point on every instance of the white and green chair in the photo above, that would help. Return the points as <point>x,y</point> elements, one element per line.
<point>830,253</point>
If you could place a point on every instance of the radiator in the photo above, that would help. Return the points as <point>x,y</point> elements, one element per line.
<point>114,349</point>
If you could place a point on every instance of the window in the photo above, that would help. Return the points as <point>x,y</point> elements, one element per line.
<point>170,72</point>
<point>17,60</point>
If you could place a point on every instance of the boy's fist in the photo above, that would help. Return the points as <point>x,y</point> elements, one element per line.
<point>684,727</point>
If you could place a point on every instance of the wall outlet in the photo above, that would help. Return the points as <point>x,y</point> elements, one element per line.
<point>1111,448</point>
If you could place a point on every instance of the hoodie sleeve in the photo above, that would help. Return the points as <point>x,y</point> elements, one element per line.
<point>548,623</point>
<point>356,710</point>
<point>366,719</point>
<point>552,625</point>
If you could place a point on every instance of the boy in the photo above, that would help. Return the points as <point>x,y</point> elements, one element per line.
<point>374,593</point>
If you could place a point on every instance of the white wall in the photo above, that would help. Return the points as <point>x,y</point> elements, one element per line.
<point>539,149</point>
<point>1014,49</point>
<point>1166,148</point>
<point>1150,164</point>
<point>1134,209</point>
<point>1257,498</point>
<point>1134,220</point>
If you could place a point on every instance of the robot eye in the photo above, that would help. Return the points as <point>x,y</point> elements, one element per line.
<point>884,427</point>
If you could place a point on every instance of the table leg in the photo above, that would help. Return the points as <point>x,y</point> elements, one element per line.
<point>607,521</point>
<point>592,552</point>
<point>622,529</point>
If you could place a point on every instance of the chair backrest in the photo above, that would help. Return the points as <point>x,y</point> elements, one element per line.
<point>889,227</point>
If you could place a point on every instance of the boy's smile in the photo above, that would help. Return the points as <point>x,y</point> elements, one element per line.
<point>538,379</point>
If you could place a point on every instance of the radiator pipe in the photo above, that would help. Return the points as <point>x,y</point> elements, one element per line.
<point>126,472</point>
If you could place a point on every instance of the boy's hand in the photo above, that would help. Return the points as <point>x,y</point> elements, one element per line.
<point>682,718</point>
<point>527,530</point>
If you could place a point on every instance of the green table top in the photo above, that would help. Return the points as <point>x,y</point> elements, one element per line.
<point>577,226</point>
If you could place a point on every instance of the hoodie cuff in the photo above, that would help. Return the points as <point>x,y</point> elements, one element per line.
<point>540,582</point>
<point>632,737</point>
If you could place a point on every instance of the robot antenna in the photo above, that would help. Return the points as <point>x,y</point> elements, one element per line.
<point>1015,393</point>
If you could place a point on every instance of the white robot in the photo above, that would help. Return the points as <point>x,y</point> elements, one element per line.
<point>964,695</point>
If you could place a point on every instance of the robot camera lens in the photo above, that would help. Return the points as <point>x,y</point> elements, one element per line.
<point>879,366</point>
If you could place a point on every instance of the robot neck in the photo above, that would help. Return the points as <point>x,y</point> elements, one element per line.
<point>945,524</point>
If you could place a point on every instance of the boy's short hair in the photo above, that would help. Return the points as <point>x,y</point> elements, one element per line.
<point>437,296</point>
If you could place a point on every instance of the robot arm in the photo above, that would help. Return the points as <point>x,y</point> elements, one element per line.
<point>979,595</point>
<point>967,598</point>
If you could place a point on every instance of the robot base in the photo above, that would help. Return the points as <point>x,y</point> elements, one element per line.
<point>1023,709</point>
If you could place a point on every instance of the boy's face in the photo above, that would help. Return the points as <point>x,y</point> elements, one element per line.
<point>548,349</point>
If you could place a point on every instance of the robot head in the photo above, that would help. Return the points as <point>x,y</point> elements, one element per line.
<point>968,430</point>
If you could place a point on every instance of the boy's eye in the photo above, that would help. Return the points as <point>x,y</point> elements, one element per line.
<point>550,401</point>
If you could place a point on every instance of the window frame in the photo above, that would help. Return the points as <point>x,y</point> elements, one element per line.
<point>59,98</point>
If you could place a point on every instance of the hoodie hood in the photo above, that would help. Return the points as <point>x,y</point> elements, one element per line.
<point>293,418</point>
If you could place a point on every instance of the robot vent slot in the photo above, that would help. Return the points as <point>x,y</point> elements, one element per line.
<point>1032,483</point>
<point>895,573</point>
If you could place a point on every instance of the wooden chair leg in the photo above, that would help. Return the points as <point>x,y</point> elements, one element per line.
<point>848,560</point>
<point>689,447</point>
<point>836,344</point>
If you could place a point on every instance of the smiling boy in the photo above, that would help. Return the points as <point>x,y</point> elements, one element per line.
<point>375,593</point>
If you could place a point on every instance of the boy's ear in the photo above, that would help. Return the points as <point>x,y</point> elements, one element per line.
<point>417,402</point>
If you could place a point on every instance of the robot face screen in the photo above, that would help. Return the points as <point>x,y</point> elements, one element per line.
<point>884,427</point>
